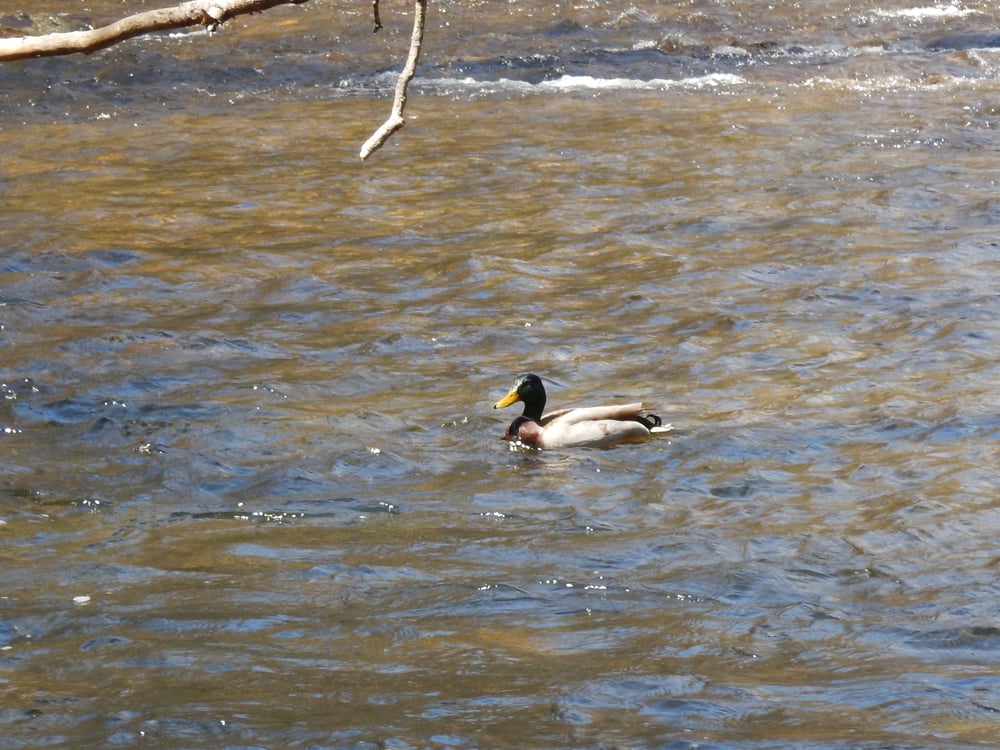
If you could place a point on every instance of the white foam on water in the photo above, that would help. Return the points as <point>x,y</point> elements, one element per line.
<point>569,83</point>
<point>951,10</point>
<point>712,80</point>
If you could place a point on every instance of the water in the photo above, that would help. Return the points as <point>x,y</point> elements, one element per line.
<point>253,492</point>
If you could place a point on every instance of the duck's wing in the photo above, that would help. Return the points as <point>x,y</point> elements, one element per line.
<point>552,416</point>
<point>591,433</point>
<point>593,413</point>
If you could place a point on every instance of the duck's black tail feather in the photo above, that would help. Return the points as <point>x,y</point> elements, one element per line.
<point>649,421</point>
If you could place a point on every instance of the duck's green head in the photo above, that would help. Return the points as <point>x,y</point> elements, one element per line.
<point>529,390</point>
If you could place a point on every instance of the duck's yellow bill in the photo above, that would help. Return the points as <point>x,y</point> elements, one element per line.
<point>507,400</point>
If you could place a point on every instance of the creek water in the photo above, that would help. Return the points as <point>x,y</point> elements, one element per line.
<point>253,491</point>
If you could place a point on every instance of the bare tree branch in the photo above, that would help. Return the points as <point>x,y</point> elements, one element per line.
<point>208,13</point>
<point>396,121</point>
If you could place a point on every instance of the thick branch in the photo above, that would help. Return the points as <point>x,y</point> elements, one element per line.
<point>209,13</point>
<point>396,121</point>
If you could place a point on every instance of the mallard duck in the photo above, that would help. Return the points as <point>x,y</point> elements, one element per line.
<point>591,426</point>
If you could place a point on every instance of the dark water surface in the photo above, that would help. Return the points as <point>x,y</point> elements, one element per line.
<point>252,491</point>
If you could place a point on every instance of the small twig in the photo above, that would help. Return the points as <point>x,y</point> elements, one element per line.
<point>396,121</point>
<point>378,19</point>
